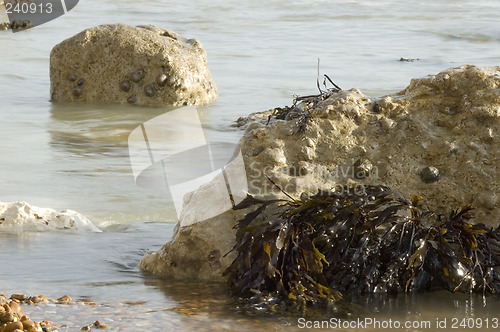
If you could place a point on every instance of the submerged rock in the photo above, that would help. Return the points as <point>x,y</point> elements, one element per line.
<point>117,63</point>
<point>20,216</point>
<point>449,121</point>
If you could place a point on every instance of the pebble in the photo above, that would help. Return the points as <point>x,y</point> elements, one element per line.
<point>27,324</point>
<point>131,100</point>
<point>13,326</point>
<point>12,318</point>
<point>35,299</point>
<point>100,325</point>
<point>64,298</point>
<point>20,297</point>
<point>6,317</point>
<point>15,307</point>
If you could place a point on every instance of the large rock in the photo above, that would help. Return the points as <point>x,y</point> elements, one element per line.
<point>145,65</point>
<point>438,138</point>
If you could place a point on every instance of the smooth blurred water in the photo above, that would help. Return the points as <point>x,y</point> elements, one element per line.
<point>260,54</point>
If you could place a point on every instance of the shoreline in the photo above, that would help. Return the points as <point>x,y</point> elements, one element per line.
<point>12,315</point>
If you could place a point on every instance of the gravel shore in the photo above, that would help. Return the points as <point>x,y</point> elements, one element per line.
<point>13,319</point>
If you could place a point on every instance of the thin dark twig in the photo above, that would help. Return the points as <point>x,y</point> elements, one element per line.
<point>286,194</point>
<point>335,85</point>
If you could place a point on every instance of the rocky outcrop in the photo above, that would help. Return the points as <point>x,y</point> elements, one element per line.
<point>438,138</point>
<point>20,217</point>
<point>144,65</point>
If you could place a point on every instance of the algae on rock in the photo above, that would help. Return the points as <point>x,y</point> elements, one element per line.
<point>356,240</point>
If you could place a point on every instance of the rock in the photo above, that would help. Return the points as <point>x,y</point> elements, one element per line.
<point>20,297</point>
<point>119,64</point>
<point>448,123</point>
<point>6,317</point>
<point>64,298</point>
<point>20,216</point>
<point>15,308</point>
<point>100,325</point>
<point>16,25</point>
<point>27,324</point>
<point>13,326</point>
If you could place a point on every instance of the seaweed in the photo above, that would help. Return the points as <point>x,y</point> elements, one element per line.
<point>353,241</point>
<point>300,115</point>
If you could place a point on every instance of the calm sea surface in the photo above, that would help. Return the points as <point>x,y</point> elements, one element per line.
<point>260,54</point>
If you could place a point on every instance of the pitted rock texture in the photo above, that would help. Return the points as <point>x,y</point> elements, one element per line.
<point>119,64</point>
<point>438,138</point>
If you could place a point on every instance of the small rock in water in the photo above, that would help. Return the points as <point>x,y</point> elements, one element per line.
<point>27,323</point>
<point>100,325</point>
<point>64,298</point>
<point>13,326</point>
<point>6,317</point>
<point>87,327</point>
<point>20,297</point>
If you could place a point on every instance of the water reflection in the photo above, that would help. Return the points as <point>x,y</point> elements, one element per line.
<point>207,306</point>
<point>88,129</point>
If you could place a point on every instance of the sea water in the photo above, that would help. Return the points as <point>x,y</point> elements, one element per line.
<point>261,54</point>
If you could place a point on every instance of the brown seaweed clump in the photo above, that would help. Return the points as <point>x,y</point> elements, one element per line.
<point>357,240</point>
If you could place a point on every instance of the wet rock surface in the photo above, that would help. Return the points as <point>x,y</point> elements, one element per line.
<point>15,25</point>
<point>119,64</point>
<point>21,216</point>
<point>438,138</point>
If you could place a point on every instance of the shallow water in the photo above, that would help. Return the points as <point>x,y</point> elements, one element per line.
<point>260,55</point>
